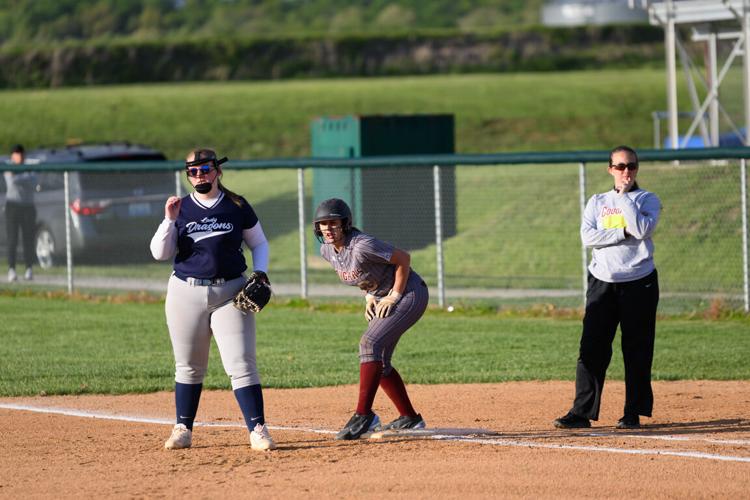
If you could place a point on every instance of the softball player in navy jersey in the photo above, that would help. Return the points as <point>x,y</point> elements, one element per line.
<point>204,232</point>
<point>396,297</point>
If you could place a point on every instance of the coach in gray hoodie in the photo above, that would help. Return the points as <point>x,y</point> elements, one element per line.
<point>623,288</point>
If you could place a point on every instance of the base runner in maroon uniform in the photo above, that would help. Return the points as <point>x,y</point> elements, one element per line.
<point>396,297</point>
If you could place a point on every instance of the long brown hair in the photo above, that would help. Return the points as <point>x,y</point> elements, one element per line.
<point>236,199</point>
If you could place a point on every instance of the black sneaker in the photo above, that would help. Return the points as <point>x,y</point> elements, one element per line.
<point>404,422</point>
<point>629,422</point>
<point>358,425</point>
<point>572,421</point>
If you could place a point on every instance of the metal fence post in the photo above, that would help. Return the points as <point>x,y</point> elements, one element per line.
<point>743,189</point>
<point>670,42</point>
<point>656,119</point>
<point>582,203</point>
<point>439,235</point>
<point>68,245</point>
<point>302,240</point>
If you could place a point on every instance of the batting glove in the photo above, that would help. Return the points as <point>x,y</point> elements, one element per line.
<point>383,309</point>
<point>370,302</point>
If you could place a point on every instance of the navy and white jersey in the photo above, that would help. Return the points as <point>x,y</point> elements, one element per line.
<point>209,238</point>
<point>364,262</point>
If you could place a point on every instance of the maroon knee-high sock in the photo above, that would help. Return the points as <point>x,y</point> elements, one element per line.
<point>396,391</point>
<point>369,378</point>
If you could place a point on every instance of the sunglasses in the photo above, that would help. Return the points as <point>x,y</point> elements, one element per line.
<point>195,171</point>
<point>623,166</point>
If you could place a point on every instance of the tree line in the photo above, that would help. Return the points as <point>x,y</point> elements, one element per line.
<point>44,21</point>
<point>239,58</point>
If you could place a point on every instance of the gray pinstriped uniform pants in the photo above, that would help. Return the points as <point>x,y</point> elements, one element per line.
<point>382,334</point>
<point>194,314</point>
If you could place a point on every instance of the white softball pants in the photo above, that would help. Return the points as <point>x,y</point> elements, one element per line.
<point>194,314</point>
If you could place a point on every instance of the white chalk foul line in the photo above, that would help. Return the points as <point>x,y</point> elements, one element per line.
<point>144,420</point>
<point>85,414</point>
<point>743,442</point>
<point>440,437</point>
<point>627,451</point>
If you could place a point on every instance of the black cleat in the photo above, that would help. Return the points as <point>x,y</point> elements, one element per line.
<point>629,422</point>
<point>572,421</point>
<point>404,422</point>
<point>358,425</point>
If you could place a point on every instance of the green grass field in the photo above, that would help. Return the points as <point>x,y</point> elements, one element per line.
<point>54,345</point>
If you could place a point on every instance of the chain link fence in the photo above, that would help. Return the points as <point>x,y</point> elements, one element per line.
<point>508,225</point>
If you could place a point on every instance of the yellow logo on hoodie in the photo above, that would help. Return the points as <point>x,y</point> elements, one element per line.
<point>612,218</point>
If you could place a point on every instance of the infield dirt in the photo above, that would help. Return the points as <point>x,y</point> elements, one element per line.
<point>696,446</point>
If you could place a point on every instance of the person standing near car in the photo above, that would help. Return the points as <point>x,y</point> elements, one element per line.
<point>623,288</point>
<point>20,213</point>
<point>204,232</point>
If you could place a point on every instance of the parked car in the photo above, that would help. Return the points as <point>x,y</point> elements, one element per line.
<point>113,214</point>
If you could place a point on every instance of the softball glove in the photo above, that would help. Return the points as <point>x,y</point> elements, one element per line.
<point>255,294</point>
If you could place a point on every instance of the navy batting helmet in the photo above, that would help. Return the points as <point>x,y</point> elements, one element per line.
<point>333,209</point>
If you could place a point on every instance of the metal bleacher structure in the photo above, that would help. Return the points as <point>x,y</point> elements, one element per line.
<point>715,24</point>
<point>711,22</point>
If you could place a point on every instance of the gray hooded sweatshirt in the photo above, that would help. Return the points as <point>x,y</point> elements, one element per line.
<point>20,187</point>
<point>618,258</point>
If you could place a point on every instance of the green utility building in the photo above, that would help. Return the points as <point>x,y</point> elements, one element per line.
<point>396,204</point>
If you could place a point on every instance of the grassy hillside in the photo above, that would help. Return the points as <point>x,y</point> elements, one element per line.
<point>503,112</point>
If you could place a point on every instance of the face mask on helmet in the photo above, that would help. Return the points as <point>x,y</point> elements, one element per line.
<point>205,157</point>
<point>203,163</point>
<point>203,187</point>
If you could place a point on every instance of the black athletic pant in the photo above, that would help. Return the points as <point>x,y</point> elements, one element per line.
<point>20,217</point>
<point>632,305</point>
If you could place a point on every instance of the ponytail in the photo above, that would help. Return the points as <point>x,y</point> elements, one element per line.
<point>236,199</point>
